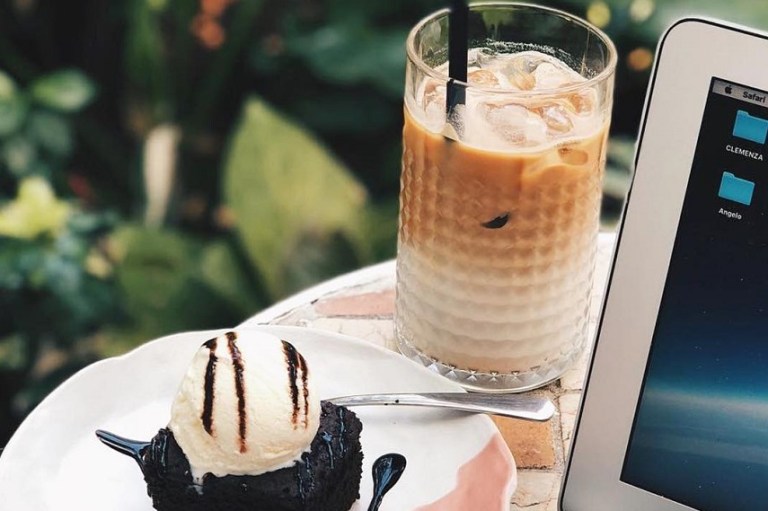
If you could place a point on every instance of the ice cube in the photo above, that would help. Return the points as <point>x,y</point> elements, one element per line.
<point>549,76</point>
<point>435,115</point>
<point>584,101</point>
<point>528,61</point>
<point>522,81</point>
<point>557,119</point>
<point>515,124</point>
<point>434,105</point>
<point>431,86</point>
<point>483,78</point>
<point>519,70</point>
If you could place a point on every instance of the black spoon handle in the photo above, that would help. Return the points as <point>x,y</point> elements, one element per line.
<point>132,448</point>
<point>386,472</point>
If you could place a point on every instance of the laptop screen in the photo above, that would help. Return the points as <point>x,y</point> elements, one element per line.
<point>700,435</point>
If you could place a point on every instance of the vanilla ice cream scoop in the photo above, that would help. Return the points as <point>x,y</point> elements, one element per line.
<point>246,406</point>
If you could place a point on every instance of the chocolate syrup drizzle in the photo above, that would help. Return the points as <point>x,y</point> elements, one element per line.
<point>305,388</point>
<point>210,387</point>
<point>328,441</point>
<point>342,428</point>
<point>296,363</point>
<point>210,380</point>
<point>237,362</point>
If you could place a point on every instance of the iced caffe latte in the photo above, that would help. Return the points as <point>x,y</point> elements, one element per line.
<point>499,211</point>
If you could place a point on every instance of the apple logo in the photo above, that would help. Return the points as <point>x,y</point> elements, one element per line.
<point>728,89</point>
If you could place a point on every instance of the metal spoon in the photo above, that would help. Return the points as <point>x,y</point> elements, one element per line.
<point>505,405</point>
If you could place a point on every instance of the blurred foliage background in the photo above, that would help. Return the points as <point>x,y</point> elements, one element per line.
<point>169,165</point>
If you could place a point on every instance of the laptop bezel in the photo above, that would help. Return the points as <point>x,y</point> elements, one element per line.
<point>689,55</point>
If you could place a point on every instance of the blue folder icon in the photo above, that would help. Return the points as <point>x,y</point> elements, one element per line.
<point>750,127</point>
<point>736,189</point>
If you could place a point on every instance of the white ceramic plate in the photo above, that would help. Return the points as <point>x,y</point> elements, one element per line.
<point>54,461</point>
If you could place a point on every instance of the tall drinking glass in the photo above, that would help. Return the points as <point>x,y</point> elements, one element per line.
<point>500,208</point>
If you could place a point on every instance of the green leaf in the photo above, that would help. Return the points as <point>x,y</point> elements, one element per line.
<point>68,90</point>
<point>340,112</point>
<point>153,266</point>
<point>52,132</point>
<point>161,279</point>
<point>13,111</point>
<point>19,155</point>
<point>223,272</point>
<point>12,353</point>
<point>318,256</point>
<point>284,187</point>
<point>7,86</point>
<point>157,5</point>
<point>351,55</point>
<point>145,61</point>
<point>34,212</point>
<point>92,223</point>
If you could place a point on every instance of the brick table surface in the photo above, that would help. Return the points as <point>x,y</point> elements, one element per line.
<point>361,304</point>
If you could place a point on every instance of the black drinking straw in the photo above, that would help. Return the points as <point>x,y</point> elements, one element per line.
<point>458,46</point>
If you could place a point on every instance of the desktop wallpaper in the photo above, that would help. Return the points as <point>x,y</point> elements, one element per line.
<point>700,436</point>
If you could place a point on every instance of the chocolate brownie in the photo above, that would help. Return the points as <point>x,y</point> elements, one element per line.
<point>326,479</point>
